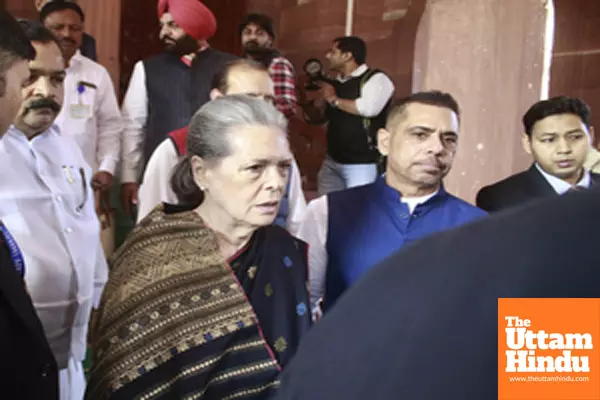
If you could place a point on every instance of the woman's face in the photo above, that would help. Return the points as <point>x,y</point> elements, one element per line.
<point>247,185</point>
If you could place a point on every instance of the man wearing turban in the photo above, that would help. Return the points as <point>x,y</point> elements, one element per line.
<point>165,90</point>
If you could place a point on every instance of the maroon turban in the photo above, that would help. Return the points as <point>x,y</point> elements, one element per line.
<point>191,15</point>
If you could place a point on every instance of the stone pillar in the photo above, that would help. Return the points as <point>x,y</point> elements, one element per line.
<point>103,22</point>
<point>489,54</point>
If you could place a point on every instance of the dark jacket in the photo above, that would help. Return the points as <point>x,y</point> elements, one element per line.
<point>518,189</point>
<point>27,367</point>
<point>423,325</point>
<point>88,47</point>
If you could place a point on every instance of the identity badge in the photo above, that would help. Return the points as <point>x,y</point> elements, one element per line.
<point>80,111</point>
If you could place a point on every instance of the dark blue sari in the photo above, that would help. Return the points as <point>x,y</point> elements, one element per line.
<point>271,270</point>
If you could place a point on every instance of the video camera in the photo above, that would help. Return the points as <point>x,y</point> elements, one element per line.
<point>314,70</point>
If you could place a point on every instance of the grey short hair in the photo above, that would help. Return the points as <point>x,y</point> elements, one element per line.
<point>208,136</point>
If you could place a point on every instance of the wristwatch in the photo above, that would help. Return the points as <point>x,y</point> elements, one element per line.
<point>334,103</point>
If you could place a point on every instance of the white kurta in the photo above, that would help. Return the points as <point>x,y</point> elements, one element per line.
<point>91,116</point>
<point>156,186</point>
<point>47,203</point>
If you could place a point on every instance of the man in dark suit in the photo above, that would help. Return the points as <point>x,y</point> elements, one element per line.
<point>27,366</point>
<point>558,135</point>
<point>423,325</point>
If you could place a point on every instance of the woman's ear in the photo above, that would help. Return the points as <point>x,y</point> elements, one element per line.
<point>198,166</point>
<point>215,94</point>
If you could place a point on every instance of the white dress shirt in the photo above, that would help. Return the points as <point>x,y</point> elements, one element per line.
<point>562,187</point>
<point>156,186</point>
<point>47,203</point>
<point>375,93</point>
<point>135,116</point>
<point>91,116</point>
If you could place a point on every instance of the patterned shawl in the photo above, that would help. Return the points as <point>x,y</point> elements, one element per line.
<point>174,321</point>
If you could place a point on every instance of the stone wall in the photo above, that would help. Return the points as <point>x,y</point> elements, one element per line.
<point>490,55</point>
<point>576,56</point>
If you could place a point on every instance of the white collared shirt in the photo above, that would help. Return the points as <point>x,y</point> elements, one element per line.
<point>47,203</point>
<point>92,118</point>
<point>374,95</point>
<point>156,186</point>
<point>560,186</point>
<point>135,116</point>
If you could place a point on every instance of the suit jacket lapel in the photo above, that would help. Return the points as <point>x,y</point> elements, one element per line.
<point>12,289</point>
<point>538,184</point>
<point>595,179</point>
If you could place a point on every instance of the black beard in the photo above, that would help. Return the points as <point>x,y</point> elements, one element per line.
<point>183,46</point>
<point>263,55</point>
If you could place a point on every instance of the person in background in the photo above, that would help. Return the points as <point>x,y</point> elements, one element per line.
<point>88,43</point>
<point>355,107</point>
<point>257,34</point>
<point>90,115</point>
<point>215,290</point>
<point>348,232</point>
<point>238,77</point>
<point>558,135</point>
<point>27,365</point>
<point>167,89</point>
<point>47,203</point>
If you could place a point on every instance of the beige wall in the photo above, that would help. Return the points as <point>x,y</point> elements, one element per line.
<point>490,55</point>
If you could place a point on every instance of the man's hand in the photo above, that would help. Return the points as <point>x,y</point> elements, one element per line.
<point>328,92</point>
<point>102,181</point>
<point>129,197</point>
<point>103,208</point>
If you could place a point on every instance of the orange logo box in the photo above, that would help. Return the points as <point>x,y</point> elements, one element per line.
<point>549,349</point>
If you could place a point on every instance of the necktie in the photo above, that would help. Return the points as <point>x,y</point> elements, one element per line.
<point>576,188</point>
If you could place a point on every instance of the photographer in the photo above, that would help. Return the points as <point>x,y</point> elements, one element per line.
<point>355,107</point>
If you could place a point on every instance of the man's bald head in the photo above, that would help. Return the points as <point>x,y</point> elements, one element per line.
<point>243,77</point>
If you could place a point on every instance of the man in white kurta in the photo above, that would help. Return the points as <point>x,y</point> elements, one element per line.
<point>47,203</point>
<point>90,114</point>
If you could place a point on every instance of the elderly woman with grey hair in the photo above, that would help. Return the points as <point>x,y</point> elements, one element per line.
<point>208,302</point>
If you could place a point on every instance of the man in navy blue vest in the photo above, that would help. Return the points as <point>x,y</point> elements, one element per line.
<point>424,323</point>
<point>354,105</point>
<point>165,90</point>
<point>350,231</point>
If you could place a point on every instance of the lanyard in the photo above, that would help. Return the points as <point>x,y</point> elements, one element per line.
<point>13,248</point>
